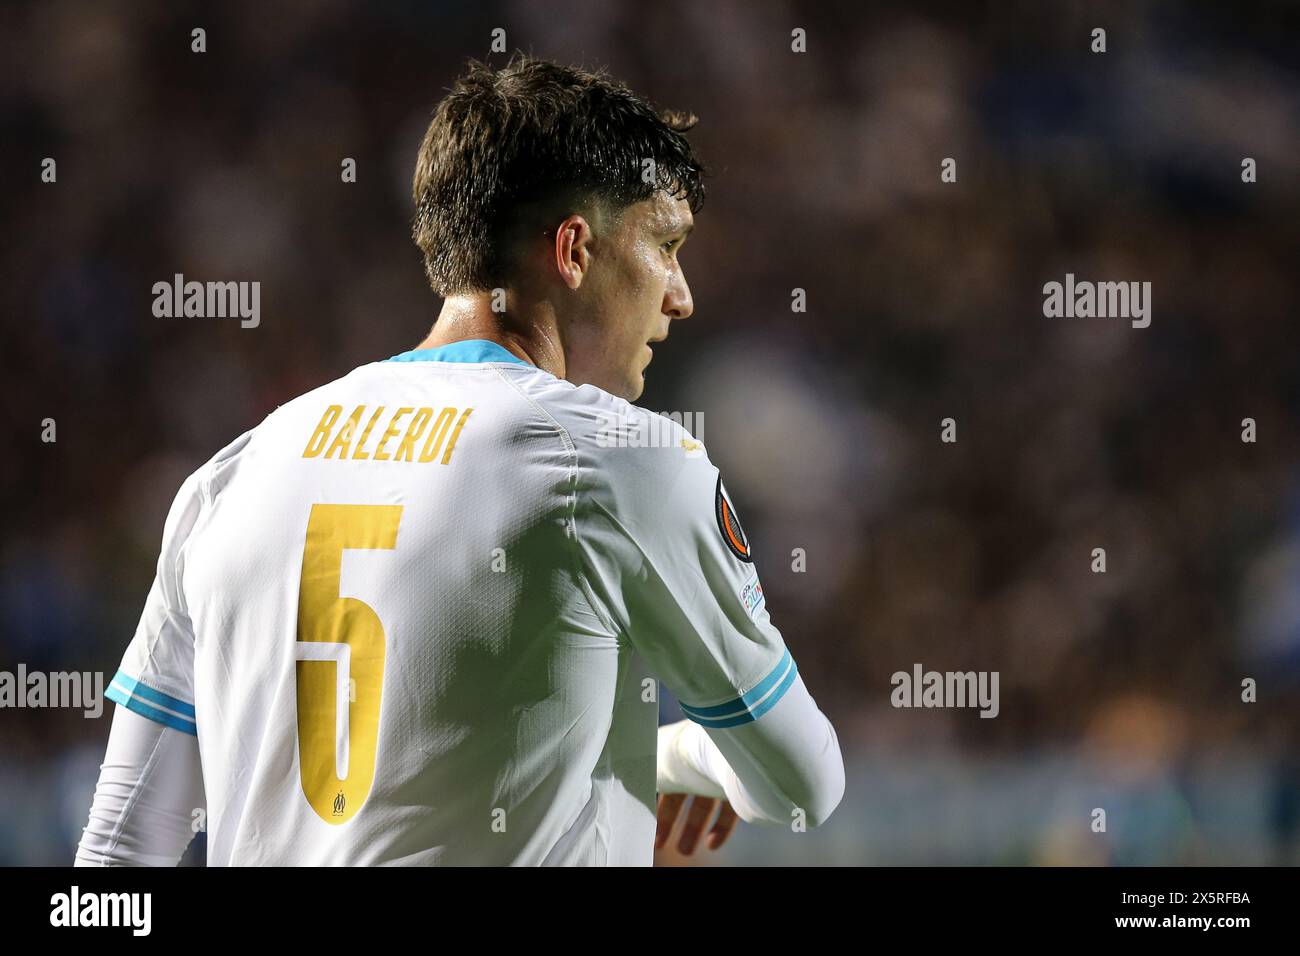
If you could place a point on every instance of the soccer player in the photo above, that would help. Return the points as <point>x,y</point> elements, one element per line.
<point>419,614</point>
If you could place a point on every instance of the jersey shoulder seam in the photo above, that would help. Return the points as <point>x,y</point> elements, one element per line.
<point>573,538</point>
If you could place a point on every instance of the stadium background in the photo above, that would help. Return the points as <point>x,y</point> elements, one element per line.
<point>1119,690</point>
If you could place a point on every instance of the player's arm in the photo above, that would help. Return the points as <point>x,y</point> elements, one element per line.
<point>665,549</point>
<point>150,787</point>
<point>792,762</point>
<point>151,781</point>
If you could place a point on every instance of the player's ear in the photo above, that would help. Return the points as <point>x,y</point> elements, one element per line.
<point>573,250</point>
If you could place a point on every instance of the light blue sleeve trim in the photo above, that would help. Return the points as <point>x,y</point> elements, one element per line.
<point>751,705</point>
<point>466,350</point>
<point>147,702</point>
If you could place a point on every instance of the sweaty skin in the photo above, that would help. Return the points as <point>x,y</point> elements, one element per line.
<point>589,300</point>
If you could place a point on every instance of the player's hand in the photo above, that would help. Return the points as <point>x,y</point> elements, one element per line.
<point>697,819</point>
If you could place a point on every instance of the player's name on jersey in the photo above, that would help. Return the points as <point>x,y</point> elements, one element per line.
<point>401,434</point>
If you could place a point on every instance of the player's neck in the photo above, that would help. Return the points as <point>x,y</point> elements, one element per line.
<point>529,334</point>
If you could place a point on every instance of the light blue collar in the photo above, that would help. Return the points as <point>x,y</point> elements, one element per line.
<point>466,350</point>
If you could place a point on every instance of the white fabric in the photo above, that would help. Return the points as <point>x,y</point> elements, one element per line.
<point>783,767</point>
<point>149,799</point>
<point>683,765</point>
<point>539,578</point>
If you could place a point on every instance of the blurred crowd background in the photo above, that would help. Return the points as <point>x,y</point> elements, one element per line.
<point>1120,690</point>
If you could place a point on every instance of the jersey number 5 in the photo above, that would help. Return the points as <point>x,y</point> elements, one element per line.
<point>339,660</point>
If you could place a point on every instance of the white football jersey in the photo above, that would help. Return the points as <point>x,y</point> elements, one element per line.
<point>417,615</point>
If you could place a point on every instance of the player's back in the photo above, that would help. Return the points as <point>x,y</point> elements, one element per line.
<point>393,657</point>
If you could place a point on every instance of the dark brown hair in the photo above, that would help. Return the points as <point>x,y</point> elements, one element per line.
<point>531,140</point>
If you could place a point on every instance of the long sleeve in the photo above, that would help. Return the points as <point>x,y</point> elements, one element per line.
<point>789,762</point>
<point>670,566</point>
<point>150,787</point>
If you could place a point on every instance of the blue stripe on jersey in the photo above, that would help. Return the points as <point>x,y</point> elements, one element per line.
<point>467,350</point>
<point>132,695</point>
<point>751,705</point>
<point>134,687</point>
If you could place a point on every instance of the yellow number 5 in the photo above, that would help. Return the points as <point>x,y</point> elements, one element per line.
<point>340,661</point>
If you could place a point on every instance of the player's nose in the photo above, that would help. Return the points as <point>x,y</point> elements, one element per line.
<point>677,299</point>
